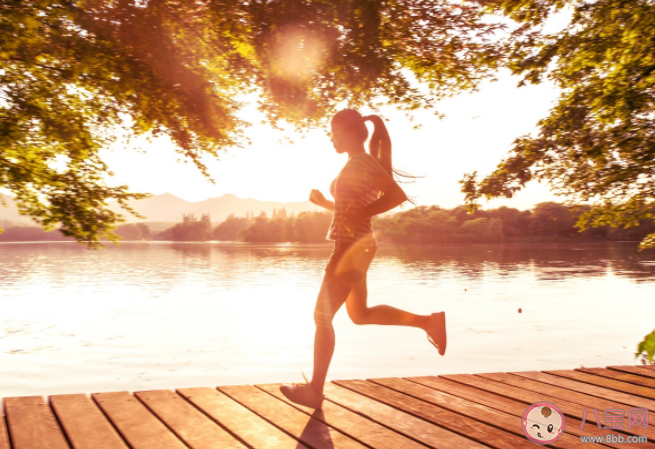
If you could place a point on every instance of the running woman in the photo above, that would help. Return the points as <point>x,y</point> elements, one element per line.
<point>365,187</point>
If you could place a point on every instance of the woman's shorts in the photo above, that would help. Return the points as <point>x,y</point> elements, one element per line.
<point>350,260</point>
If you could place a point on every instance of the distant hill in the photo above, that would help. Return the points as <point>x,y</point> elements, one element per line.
<point>169,208</point>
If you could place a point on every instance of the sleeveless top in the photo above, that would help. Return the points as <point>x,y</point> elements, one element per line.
<point>352,190</point>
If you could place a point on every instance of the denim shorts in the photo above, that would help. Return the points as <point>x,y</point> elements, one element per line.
<point>350,259</point>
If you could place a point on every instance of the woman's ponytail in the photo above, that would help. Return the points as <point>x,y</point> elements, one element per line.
<point>380,145</point>
<point>380,148</point>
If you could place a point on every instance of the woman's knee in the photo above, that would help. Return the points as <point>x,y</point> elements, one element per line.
<point>323,319</point>
<point>358,315</point>
<point>331,297</point>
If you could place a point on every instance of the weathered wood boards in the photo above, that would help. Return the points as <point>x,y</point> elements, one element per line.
<point>299,425</point>
<point>240,421</point>
<point>492,402</point>
<point>417,405</point>
<point>84,423</point>
<point>191,425</point>
<point>4,435</point>
<point>139,427</point>
<point>443,412</point>
<point>32,425</point>
<point>358,427</point>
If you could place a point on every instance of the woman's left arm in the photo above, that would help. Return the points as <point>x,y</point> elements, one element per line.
<point>392,195</point>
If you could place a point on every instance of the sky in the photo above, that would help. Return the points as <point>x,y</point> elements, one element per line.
<point>475,134</point>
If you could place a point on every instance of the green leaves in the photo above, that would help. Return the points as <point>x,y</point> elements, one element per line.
<point>597,145</point>
<point>76,73</point>
<point>646,349</point>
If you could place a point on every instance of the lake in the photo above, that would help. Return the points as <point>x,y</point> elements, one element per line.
<point>153,315</point>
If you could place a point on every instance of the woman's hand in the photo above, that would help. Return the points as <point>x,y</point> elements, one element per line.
<point>317,198</point>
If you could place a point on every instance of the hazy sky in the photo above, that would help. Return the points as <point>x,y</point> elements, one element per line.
<point>476,133</point>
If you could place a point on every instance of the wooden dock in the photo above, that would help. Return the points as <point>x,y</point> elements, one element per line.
<point>452,411</point>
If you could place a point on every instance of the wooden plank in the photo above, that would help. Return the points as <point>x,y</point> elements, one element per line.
<point>637,370</point>
<point>477,412</point>
<point>84,423</point>
<point>573,381</point>
<point>648,367</point>
<point>570,402</point>
<point>301,426</point>
<point>531,391</point>
<point>621,376</point>
<point>241,422</point>
<point>605,382</point>
<point>493,400</point>
<point>358,427</point>
<point>401,422</point>
<point>32,425</point>
<point>460,423</point>
<point>528,391</point>
<point>140,428</point>
<point>557,392</point>
<point>187,422</point>
<point>495,403</point>
<point>4,435</point>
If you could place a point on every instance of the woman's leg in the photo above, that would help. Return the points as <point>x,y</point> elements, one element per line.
<point>360,313</point>
<point>332,295</point>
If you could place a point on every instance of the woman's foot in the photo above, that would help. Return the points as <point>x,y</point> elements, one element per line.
<point>303,394</point>
<point>437,331</point>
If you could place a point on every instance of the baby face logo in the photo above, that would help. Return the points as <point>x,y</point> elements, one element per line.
<point>543,423</point>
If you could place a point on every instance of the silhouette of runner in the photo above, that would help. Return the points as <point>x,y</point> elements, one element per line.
<point>365,187</point>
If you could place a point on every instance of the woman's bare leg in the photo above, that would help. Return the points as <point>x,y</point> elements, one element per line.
<point>360,313</point>
<point>331,297</point>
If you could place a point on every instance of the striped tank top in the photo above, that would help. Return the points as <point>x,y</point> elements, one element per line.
<point>352,190</point>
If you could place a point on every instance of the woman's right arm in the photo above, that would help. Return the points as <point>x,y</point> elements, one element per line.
<point>317,198</point>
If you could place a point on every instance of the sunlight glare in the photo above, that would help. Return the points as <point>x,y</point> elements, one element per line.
<point>297,55</point>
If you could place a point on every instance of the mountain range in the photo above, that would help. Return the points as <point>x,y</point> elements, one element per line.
<point>169,208</point>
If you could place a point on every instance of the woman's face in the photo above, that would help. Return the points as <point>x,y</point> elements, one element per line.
<point>338,140</point>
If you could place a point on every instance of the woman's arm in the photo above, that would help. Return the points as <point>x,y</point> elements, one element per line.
<point>327,204</point>
<point>317,198</point>
<point>392,195</point>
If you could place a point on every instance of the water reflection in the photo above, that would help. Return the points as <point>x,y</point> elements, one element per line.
<point>547,262</point>
<point>161,315</point>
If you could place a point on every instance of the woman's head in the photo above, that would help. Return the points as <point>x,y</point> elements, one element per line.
<point>349,134</point>
<point>348,130</point>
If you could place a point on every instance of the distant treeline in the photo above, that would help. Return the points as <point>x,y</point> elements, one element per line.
<point>424,224</point>
<point>546,222</point>
<point>131,231</point>
<point>306,227</point>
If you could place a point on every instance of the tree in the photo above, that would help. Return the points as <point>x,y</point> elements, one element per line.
<point>598,143</point>
<point>514,221</point>
<point>552,219</point>
<point>191,229</point>
<point>228,230</point>
<point>77,74</point>
<point>134,231</point>
<point>311,227</point>
<point>483,229</point>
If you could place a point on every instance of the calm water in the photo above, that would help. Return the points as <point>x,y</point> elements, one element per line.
<point>161,315</point>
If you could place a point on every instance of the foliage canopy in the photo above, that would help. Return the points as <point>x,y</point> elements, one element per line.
<point>73,72</point>
<point>598,143</point>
